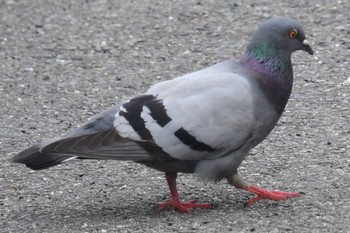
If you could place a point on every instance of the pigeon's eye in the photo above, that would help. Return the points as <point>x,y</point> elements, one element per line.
<point>292,33</point>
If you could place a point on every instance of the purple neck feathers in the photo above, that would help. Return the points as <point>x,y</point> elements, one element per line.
<point>275,77</point>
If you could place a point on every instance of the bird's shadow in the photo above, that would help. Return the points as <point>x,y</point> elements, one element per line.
<point>113,211</point>
<point>124,213</point>
<point>107,212</point>
<point>136,209</point>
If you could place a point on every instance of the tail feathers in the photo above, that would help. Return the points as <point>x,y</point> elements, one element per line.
<point>36,160</point>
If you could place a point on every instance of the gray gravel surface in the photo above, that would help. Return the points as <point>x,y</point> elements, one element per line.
<point>64,61</point>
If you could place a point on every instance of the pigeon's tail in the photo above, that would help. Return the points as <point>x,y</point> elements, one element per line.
<point>36,160</point>
<point>101,145</point>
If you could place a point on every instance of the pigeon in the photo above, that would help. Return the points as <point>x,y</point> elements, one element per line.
<point>203,122</point>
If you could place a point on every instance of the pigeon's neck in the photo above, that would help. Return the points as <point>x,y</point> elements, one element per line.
<point>266,58</point>
<point>276,73</point>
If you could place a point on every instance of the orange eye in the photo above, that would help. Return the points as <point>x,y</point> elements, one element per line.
<point>293,33</point>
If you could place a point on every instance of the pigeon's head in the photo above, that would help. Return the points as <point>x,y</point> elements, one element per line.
<point>278,35</point>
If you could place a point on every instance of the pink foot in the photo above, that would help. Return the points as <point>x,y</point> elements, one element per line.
<point>267,194</point>
<point>183,207</point>
<point>175,202</point>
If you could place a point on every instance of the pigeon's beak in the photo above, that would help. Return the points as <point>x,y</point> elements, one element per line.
<point>307,47</point>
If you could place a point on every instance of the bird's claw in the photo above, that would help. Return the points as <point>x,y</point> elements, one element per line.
<point>268,194</point>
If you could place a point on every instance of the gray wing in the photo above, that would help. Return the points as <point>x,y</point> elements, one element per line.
<point>204,115</point>
<point>97,139</point>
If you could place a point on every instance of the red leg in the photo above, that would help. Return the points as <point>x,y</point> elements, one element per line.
<point>175,202</point>
<point>260,192</point>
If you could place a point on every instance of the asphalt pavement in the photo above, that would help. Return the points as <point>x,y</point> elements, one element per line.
<point>64,61</point>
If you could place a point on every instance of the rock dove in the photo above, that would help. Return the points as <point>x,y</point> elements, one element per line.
<point>204,122</point>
